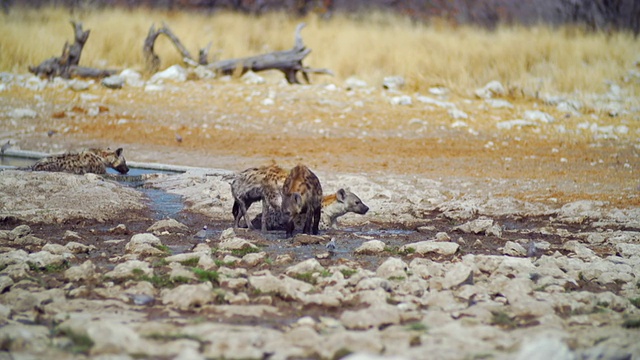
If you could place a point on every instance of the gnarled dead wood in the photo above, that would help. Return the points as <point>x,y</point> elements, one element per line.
<point>66,65</point>
<point>287,61</point>
<point>153,60</point>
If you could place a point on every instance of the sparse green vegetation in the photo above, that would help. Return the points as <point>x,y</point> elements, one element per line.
<point>51,268</point>
<point>164,248</point>
<point>417,326</point>
<point>325,273</point>
<point>173,337</point>
<point>193,262</point>
<point>244,251</point>
<point>502,319</point>
<point>80,343</point>
<point>347,273</point>
<point>206,275</point>
<point>631,323</point>
<point>635,302</point>
<point>159,263</point>
<point>306,277</point>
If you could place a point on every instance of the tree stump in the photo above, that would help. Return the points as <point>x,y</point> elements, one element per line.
<point>66,65</point>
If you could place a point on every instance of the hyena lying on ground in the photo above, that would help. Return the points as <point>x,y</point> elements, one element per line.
<point>301,193</point>
<point>333,206</point>
<point>88,161</point>
<point>255,184</point>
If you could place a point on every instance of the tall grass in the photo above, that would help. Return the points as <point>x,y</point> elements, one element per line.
<point>369,46</point>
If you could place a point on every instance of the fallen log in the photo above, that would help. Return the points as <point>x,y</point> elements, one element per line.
<point>287,61</point>
<point>66,65</point>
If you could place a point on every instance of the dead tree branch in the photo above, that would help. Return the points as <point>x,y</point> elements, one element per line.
<point>66,65</point>
<point>287,61</point>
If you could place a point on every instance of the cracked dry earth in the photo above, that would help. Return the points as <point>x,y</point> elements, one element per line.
<point>486,238</point>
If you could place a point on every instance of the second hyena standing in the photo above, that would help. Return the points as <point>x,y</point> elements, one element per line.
<point>255,184</point>
<point>301,193</point>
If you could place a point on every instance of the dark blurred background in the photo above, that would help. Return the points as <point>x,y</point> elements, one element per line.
<point>593,15</point>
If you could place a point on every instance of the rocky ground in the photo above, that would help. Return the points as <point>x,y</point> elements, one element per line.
<point>501,226</point>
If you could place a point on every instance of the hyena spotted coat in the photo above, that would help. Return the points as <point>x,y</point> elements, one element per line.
<point>301,193</point>
<point>333,206</point>
<point>255,184</point>
<point>88,161</point>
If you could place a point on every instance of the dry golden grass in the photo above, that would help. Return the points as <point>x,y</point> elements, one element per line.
<point>369,47</point>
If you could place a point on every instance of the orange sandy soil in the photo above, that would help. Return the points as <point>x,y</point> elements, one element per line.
<point>223,124</point>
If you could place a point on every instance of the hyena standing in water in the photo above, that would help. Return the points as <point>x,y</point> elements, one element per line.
<point>255,184</point>
<point>301,193</point>
<point>333,206</point>
<point>88,161</point>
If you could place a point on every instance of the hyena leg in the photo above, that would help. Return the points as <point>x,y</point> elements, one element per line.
<point>242,212</point>
<point>308,216</point>
<point>265,215</point>
<point>317,213</point>
<point>289,227</point>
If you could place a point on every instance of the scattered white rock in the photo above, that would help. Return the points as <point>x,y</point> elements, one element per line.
<point>393,82</point>
<point>113,82</point>
<point>457,114</point>
<point>401,100</point>
<point>498,103</point>
<point>252,78</point>
<point>493,88</point>
<point>517,123</point>
<point>21,113</point>
<point>537,115</point>
<point>371,247</point>
<point>173,73</point>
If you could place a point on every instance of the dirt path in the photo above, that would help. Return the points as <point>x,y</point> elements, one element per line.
<point>232,125</point>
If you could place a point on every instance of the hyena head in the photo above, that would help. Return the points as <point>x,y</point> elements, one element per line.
<point>351,202</point>
<point>291,207</point>
<point>112,159</point>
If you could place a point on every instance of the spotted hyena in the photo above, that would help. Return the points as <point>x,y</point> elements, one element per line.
<point>88,161</point>
<point>256,184</point>
<point>333,206</point>
<point>301,193</point>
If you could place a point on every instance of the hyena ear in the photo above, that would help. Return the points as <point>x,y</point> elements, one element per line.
<point>119,152</point>
<point>341,195</point>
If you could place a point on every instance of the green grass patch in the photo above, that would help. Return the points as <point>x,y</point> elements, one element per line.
<point>48,269</point>
<point>347,273</point>
<point>80,343</point>
<point>631,323</point>
<point>635,302</point>
<point>306,277</point>
<point>193,262</point>
<point>245,251</point>
<point>173,337</point>
<point>164,248</point>
<point>417,326</point>
<point>206,275</point>
<point>159,263</point>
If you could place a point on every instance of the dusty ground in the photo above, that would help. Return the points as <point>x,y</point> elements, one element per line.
<point>233,125</point>
<point>388,153</point>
